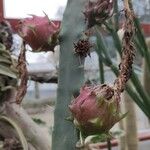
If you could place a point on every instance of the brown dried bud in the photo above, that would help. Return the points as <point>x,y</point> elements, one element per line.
<point>82,47</point>
<point>97,12</point>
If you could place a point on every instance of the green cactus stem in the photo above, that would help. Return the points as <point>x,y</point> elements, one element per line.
<point>71,75</point>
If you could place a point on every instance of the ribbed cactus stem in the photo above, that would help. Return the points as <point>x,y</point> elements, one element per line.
<point>71,75</point>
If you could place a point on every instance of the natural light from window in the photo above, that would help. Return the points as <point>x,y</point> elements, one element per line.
<point>21,8</point>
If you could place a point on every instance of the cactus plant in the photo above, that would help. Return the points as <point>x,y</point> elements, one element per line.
<point>96,109</point>
<point>71,75</point>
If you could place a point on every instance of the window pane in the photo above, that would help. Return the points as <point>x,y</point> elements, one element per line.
<point>21,8</point>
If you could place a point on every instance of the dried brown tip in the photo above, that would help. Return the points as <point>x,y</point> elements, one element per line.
<point>23,75</point>
<point>128,53</point>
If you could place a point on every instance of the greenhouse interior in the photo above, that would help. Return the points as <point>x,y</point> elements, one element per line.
<point>75,75</point>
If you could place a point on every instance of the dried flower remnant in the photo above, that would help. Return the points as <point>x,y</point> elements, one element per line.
<point>96,12</point>
<point>23,74</point>
<point>39,32</point>
<point>82,47</point>
<point>128,53</point>
<point>94,110</point>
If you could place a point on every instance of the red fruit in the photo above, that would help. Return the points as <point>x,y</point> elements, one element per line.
<point>39,32</point>
<point>94,110</point>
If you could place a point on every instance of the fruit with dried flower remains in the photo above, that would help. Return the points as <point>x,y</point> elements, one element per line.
<point>94,110</point>
<point>39,32</point>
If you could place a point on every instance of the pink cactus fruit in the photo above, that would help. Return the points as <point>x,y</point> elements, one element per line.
<point>94,110</point>
<point>39,32</point>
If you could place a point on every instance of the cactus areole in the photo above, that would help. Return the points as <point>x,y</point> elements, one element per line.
<point>94,110</point>
<point>39,32</point>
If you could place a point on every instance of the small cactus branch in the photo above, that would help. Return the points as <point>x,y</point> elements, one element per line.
<point>128,50</point>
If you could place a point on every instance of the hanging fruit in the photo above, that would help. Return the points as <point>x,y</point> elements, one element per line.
<point>39,32</point>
